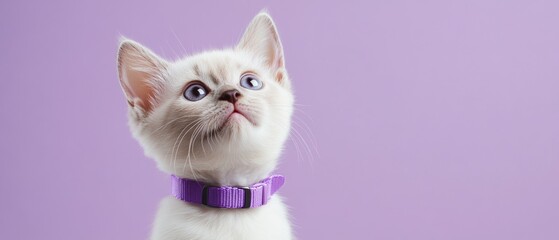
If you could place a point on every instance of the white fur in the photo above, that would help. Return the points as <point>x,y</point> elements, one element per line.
<point>200,140</point>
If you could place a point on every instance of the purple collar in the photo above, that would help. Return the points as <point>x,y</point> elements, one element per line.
<point>253,196</point>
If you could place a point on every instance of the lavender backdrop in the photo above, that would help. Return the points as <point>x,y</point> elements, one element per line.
<point>432,119</point>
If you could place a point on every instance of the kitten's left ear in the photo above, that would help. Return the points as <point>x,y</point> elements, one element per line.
<point>261,38</point>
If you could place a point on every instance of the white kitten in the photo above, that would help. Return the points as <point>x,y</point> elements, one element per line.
<point>219,117</point>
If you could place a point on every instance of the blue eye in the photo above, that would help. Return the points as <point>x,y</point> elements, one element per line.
<point>250,81</point>
<point>195,92</point>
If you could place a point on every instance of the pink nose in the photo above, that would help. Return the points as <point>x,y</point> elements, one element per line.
<point>230,95</point>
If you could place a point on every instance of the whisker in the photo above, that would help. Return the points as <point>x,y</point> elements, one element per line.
<point>192,125</point>
<point>171,121</point>
<point>193,137</point>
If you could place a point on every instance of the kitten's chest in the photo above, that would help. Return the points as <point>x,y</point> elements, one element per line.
<point>176,220</point>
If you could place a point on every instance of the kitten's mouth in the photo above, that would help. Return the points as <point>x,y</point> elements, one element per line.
<point>236,113</point>
<point>234,119</point>
<point>237,116</point>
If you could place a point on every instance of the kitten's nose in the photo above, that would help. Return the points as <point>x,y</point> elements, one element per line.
<point>230,95</point>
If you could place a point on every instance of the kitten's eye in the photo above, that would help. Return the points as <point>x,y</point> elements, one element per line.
<point>250,81</point>
<point>195,92</point>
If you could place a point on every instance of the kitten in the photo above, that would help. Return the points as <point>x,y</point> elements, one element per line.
<point>219,117</point>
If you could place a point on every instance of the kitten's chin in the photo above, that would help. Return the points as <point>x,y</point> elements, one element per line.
<point>237,120</point>
<point>233,125</point>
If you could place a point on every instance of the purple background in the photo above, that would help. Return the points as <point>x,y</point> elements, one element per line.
<point>432,120</point>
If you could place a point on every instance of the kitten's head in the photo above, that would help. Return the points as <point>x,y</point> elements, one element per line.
<point>219,116</point>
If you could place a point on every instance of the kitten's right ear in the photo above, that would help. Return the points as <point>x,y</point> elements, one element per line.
<point>141,74</point>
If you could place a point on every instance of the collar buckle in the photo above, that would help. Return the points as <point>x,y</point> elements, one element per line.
<point>252,196</point>
<point>246,190</point>
<point>248,197</point>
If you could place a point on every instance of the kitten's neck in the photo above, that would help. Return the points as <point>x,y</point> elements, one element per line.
<point>238,174</point>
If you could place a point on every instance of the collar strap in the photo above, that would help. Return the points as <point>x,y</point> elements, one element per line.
<point>253,196</point>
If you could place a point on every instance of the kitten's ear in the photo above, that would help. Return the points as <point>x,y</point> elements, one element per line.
<point>141,74</point>
<point>261,38</point>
